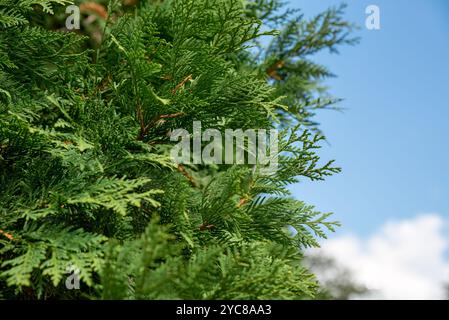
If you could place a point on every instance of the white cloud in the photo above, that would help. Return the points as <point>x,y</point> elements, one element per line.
<point>403,260</point>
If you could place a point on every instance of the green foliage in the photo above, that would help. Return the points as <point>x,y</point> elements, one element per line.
<point>14,12</point>
<point>85,174</point>
<point>48,250</point>
<point>150,268</point>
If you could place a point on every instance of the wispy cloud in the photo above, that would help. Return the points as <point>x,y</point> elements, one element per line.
<point>403,260</point>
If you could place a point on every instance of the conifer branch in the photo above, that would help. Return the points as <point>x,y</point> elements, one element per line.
<point>182,83</point>
<point>79,189</point>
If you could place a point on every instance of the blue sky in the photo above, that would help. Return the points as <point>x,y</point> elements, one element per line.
<point>392,138</point>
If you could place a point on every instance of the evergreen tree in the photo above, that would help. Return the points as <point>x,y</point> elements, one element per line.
<point>86,179</point>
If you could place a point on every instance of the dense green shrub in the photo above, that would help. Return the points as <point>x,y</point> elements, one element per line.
<point>85,174</point>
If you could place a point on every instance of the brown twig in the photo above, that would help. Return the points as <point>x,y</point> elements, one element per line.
<point>130,3</point>
<point>181,84</point>
<point>161,117</point>
<point>272,70</point>
<point>6,234</point>
<point>140,118</point>
<point>156,120</point>
<point>184,172</point>
<point>206,226</point>
<point>242,202</point>
<point>97,8</point>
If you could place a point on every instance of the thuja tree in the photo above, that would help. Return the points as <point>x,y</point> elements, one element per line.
<point>87,186</point>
